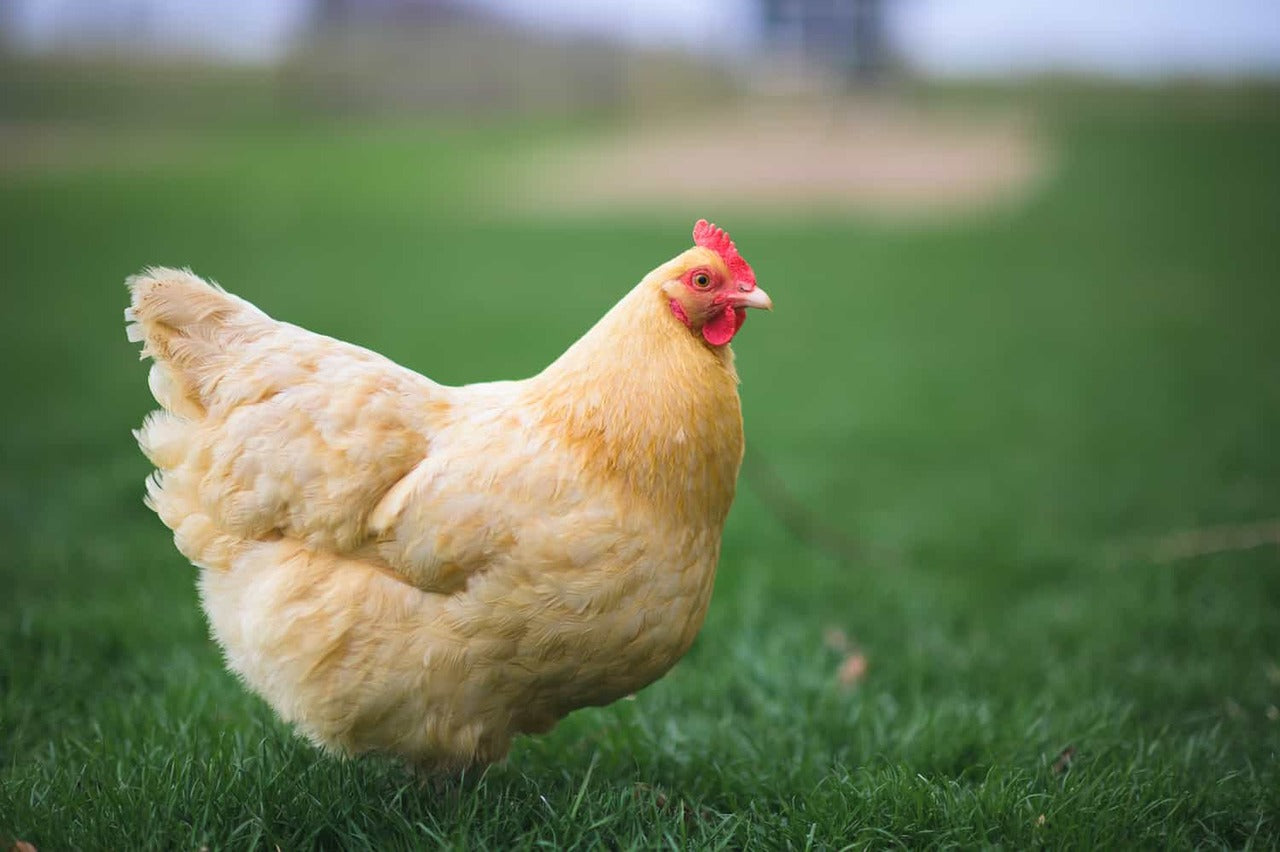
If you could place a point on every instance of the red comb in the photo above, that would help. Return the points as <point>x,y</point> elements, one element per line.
<point>709,236</point>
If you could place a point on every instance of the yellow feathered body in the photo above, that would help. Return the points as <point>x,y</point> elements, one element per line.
<point>404,567</point>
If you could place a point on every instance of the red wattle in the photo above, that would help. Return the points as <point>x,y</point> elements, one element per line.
<point>721,328</point>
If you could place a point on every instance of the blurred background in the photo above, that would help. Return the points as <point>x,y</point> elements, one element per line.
<point>831,105</point>
<point>1013,424</point>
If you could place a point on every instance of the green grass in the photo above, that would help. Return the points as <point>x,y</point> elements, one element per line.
<point>994,409</point>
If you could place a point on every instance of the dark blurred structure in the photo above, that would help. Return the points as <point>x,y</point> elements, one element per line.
<point>327,14</point>
<point>850,35</point>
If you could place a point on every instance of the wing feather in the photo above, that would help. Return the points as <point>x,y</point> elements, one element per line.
<point>269,430</point>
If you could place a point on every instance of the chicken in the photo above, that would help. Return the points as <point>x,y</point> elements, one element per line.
<point>402,567</point>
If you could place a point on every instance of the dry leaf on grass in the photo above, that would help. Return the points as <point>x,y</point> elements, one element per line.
<point>853,669</point>
<point>688,813</point>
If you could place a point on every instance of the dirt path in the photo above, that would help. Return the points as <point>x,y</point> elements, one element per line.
<point>869,156</point>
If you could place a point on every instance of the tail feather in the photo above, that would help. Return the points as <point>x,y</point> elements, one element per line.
<point>266,430</point>
<point>189,326</point>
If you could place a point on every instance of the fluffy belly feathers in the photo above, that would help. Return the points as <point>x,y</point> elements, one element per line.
<point>361,661</point>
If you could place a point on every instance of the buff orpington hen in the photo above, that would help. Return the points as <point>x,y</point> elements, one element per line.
<point>402,567</point>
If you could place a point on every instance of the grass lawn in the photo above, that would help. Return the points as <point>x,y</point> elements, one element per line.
<point>1002,412</point>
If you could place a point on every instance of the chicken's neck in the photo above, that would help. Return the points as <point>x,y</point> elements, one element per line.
<point>649,406</point>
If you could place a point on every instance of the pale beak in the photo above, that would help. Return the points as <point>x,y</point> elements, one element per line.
<point>754,298</point>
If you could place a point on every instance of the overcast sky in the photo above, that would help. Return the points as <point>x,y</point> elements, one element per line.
<point>962,37</point>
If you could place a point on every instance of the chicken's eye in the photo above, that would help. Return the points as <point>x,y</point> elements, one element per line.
<point>702,280</point>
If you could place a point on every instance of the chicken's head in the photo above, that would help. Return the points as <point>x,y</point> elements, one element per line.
<point>710,286</point>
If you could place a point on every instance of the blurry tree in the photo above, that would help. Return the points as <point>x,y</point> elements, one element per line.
<point>433,57</point>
